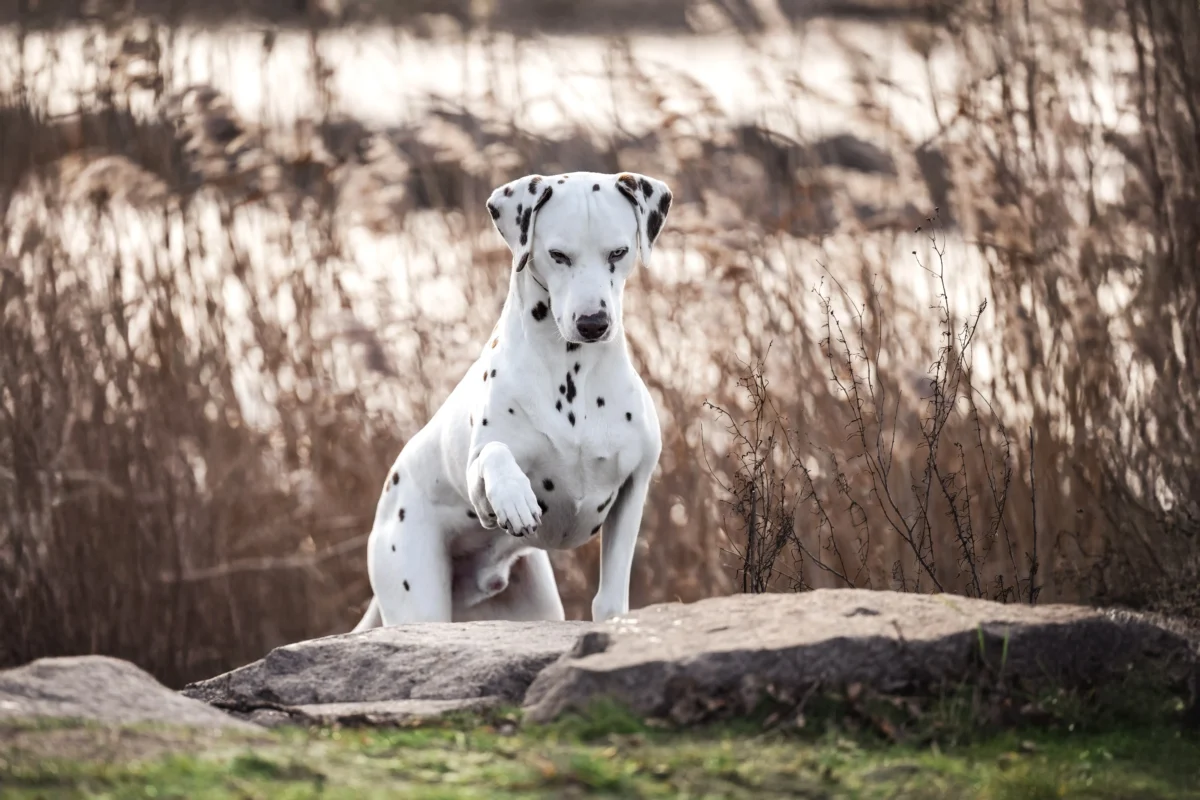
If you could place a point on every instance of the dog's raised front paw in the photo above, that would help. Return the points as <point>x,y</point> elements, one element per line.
<point>515,505</point>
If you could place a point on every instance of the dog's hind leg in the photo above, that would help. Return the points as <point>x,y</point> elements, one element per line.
<point>371,619</point>
<point>532,594</point>
<point>408,561</point>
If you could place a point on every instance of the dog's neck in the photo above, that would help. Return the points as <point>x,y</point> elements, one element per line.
<point>528,317</point>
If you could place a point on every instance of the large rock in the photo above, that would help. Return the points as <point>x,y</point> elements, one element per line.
<point>717,656</point>
<point>100,689</point>
<point>391,674</point>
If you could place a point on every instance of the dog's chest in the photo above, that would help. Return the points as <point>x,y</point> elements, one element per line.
<point>589,449</point>
<point>596,462</point>
<point>591,440</point>
<point>577,485</point>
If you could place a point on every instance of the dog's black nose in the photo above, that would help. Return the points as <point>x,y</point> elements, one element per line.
<point>592,326</point>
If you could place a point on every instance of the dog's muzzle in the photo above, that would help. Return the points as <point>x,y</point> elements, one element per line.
<point>592,327</point>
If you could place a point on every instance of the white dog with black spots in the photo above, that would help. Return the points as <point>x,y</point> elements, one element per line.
<point>550,437</point>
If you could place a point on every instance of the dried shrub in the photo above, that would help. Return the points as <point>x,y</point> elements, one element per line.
<point>912,497</point>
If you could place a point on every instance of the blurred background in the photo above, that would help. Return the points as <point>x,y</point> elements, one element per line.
<point>924,316</point>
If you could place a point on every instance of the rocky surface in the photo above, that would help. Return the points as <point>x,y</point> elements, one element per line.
<point>392,674</point>
<point>102,690</point>
<point>723,656</point>
<point>686,663</point>
<point>382,713</point>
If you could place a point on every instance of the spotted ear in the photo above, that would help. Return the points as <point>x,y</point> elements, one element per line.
<point>514,208</point>
<point>651,201</point>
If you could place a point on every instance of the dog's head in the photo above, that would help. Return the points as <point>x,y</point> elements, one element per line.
<point>580,235</point>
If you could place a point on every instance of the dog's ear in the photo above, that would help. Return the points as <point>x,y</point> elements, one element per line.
<point>514,208</point>
<point>651,201</point>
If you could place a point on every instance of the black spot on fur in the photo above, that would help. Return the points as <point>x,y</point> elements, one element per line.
<point>595,187</point>
<point>493,373</point>
<point>520,210</point>
<point>525,218</point>
<point>393,548</point>
<point>472,514</point>
<point>524,260</point>
<point>596,530</point>
<point>539,311</point>
<point>571,417</point>
<point>485,420</point>
<point>511,411</point>
<point>600,508</point>
<point>485,376</point>
<point>576,367</point>
<point>558,405</point>
<point>653,225</point>
<point>562,389</point>
<point>471,420</point>
<point>628,416</point>
<point>402,515</point>
<point>533,184</point>
<point>508,191</point>
<point>572,347</point>
<point>603,304</point>
<point>395,478</point>
<point>542,505</point>
<point>570,389</point>
<point>629,190</point>
<point>495,212</point>
<point>406,587</point>
<point>647,189</point>
<point>561,180</point>
<point>611,268</point>
<point>600,402</point>
<point>545,196</point>
<point>549,484</point>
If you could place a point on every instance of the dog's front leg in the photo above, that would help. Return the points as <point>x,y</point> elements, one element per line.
<point>500,491</point>
<point>618,544</point>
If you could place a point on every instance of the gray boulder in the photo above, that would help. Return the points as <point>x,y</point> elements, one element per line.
<point>100,689</point>
<point>390,675</point>
<point>721,656</point>
<point>716,657</point>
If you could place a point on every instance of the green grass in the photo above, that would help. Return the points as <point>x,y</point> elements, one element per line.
<point>605,753</point>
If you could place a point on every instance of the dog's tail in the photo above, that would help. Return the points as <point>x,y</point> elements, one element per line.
<point>371,619</point>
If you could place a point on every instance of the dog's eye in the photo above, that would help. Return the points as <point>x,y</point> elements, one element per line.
<point>560,258</point>
<point>618,254</point>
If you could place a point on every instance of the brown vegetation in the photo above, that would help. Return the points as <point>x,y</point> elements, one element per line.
<point>201,382</point>
<point>426,16</point>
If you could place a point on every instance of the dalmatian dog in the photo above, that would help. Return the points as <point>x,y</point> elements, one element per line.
<point>549,438</point>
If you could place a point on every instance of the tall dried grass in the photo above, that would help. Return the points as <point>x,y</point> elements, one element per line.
<point>203,373</point>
